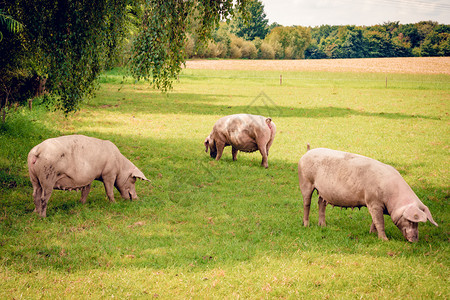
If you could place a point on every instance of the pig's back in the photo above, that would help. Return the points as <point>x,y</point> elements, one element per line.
<point>77,156</point>
<point>345,179</point>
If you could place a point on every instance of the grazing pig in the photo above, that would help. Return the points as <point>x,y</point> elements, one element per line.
<point>244,132</point>
<point>350,180</point>
<point>72,162</point>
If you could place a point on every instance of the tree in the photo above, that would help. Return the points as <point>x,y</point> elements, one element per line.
<point>158,52</point>
<point>253,24</point>
<point>289,42</point>
<point>69,41</point>
<point>354,45</point>
<point>11,80</point>
<point>66,42</point>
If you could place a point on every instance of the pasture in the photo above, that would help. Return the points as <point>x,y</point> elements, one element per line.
<point>208,229</point>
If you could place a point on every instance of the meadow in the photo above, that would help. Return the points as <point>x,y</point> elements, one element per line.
<point>222,229</point>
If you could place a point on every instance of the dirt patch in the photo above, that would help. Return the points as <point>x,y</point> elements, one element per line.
<point>411,65</point>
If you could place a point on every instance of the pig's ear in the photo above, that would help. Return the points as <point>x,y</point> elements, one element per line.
<point>429,217</point>
<point>138,174</point>
<point>414,214</point>
<point>206,144</point>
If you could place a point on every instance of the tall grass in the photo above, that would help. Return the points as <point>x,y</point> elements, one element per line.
<point>207,229</point>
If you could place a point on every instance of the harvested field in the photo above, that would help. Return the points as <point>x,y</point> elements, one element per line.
<point>410,65</point>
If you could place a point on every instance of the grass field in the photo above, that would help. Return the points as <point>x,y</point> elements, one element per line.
<point>207,229</point>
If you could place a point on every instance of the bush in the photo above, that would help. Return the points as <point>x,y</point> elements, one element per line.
<point>288,52</point>
<point>235,51</point>
<point>279,52</point>
<point>248,50</point>
<point>241,48</point>
<point>266,51</point>
<point>212,50</point>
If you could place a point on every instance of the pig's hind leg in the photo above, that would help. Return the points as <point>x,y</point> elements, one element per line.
<point>84,193</point>
<point>234,151</point>
<point>41,198</point>
<point>42,190</point>
<point>37,194</point>
<point>307,189</point>
<point>263,151</point>
<point>322,207</point>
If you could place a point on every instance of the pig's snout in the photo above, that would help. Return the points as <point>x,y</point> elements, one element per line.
<point>411,233</point>
<point>132,194</point>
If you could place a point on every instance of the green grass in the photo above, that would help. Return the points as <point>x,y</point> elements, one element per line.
<point>207,229</point>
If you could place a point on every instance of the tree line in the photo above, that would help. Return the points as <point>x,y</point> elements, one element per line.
<point>390,39</point>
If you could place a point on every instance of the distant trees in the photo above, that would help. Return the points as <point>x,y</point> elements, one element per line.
<point>387,40</point>
<point>281,43</point>
<point>295,42</point>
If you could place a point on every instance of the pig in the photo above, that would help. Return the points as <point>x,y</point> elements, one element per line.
<point>349,180</point>
<point>72,162</point>
<point>244,132</point>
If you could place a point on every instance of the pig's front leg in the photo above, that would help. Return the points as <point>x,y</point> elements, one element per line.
<point>373,228</point>
<point>377,221</point>
<point>219,145</point>
<point>108,182</point>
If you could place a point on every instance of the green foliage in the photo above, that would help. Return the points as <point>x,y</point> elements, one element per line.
<point>70,42</point>
<point>388,40</point>
<point>67,42</point>
<point>289,42</point>
<point>8,23</point>
<point>253,25</point>
<point>158,50</point>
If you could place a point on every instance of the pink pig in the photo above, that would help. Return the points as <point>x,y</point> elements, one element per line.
<point>243,132</point>
<point>350,180</point>
<point>72,162</point>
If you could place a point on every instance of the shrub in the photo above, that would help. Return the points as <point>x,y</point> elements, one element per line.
<point>266,51</point>
<point>288,52</point>
<point>279,52</point>
<point>235,51</point>
<point>212,50</point>
<point>248,50</point>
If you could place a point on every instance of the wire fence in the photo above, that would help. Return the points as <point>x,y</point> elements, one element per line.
<point>286,78</point>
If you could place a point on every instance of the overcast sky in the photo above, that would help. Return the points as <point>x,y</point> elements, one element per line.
<point>362,12</point>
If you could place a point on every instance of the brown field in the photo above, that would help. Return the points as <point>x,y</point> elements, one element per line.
<point>411,65</point>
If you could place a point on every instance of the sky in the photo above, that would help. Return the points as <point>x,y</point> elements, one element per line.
<point>360,12</point>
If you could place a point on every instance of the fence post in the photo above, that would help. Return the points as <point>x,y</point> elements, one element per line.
<point>281,79</point>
